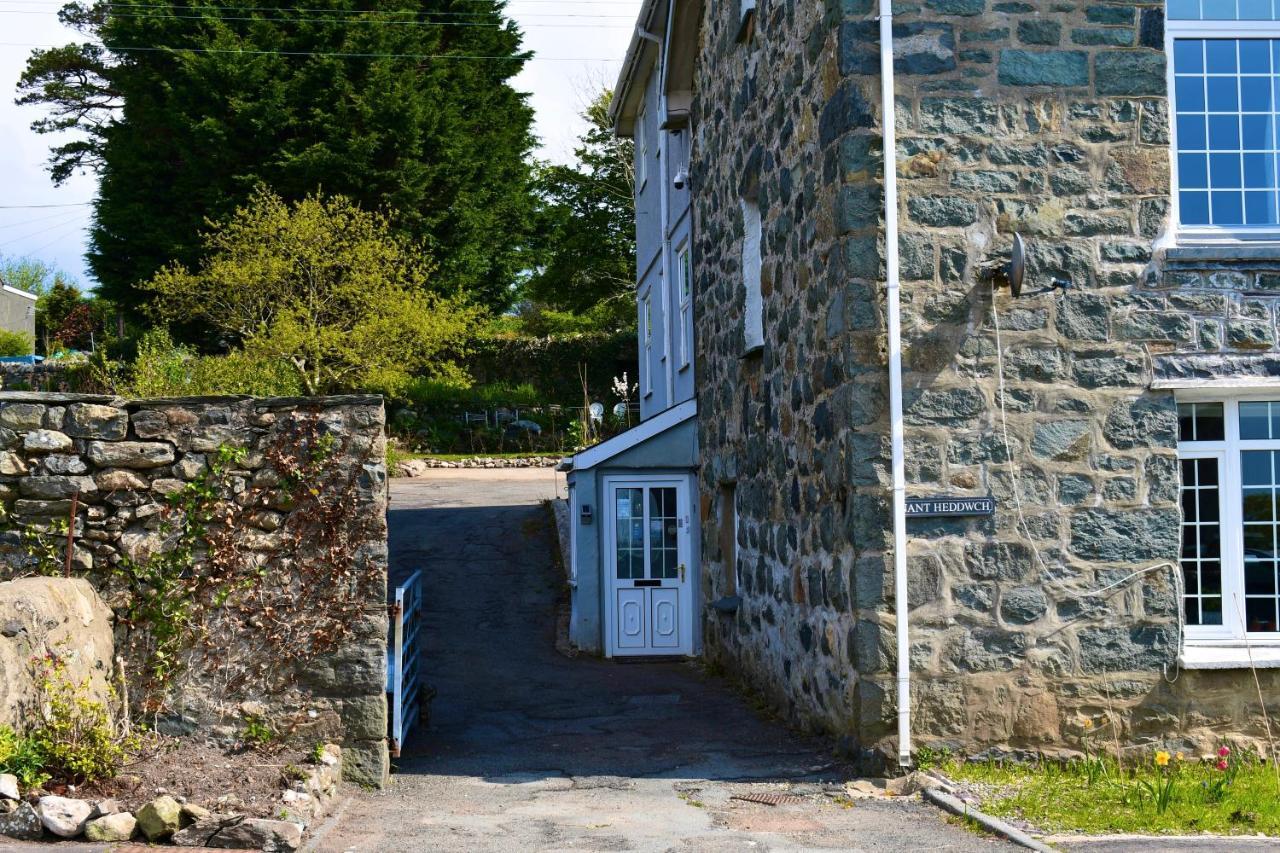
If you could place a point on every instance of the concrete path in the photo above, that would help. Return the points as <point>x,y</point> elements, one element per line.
<point>530,750</point>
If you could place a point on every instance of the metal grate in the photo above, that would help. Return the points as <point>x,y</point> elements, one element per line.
<point>768,799</point>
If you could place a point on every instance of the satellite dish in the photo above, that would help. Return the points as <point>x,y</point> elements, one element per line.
<point>597,411</point>
<point>1017,268</point>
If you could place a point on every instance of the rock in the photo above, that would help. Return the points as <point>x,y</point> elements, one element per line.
<point>167,485</point>
<point>52,613</point>
<point>120,826</point>
<point>56,487</point>
<point>64,817</point>
<point>107,807</point>
<point>411,468</point>
<point>863,788</point>
<point>88,420</point>
<point>11,464</point>
<point>160,819</point>
<point>46,441</point>
<point>191,814</point>
<point>269,836</point>
<point>910,784</point>
<point>131,454</point>
<point>22,824</point>
<point>22,416</point>
<point>9,787</point>
<point>199,833</point>
<point>114,479</point>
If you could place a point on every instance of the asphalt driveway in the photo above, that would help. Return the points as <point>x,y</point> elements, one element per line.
<point>528,749</point>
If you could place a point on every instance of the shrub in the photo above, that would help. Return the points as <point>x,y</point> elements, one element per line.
<point>15,343</point>
<point>72,734</point>
<point>165,369</point>
<point>21,755</point>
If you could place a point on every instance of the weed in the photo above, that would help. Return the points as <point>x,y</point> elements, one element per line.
<point>258,732</point>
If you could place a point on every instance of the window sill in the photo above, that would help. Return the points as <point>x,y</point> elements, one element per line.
<point>1223,252</point>
<point>1197,656</point>
<point>752,351</point>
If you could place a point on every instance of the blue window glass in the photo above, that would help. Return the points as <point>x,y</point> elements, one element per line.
<point>1227,105</point>
<point>1254,10</point>
<point>1194,207</point>
<point>1193,171</point>
<point>1220,56</point>
<point>1255,94</point>
<point>1227,207</point>
<point>1223,94</point>
<point>1224,133</point>
<point>1224,171</point>
<point>1192,135</point>
<point>1256,132</point>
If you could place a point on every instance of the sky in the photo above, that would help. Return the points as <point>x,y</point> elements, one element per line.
<point>578,47</point>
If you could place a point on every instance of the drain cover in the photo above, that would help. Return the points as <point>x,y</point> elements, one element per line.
<point>768,799</point>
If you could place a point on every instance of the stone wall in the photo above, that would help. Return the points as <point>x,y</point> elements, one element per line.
<point>793,428</point>
<point>1048,120</point>
<point>241,543</point>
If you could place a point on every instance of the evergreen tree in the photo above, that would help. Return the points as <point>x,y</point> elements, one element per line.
<point>187,107</point>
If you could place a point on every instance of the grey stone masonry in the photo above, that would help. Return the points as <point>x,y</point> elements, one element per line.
<point>270,642</point>
<point>1045,119</point>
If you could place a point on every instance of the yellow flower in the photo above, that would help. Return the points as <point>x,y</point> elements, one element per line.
<point>1088,723</point>
<point>1180,757</point>
<point>1162,758</point>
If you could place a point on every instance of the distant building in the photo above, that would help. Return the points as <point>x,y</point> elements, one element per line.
<point>17,310</point>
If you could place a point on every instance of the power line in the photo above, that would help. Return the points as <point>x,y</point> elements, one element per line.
<point>152,49</point>
<point>38,206</point>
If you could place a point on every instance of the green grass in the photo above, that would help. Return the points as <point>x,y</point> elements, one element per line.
<point>1093,795</point>
<point>395,455</point>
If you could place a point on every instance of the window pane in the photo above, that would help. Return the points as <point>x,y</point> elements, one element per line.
<point>1192,133</point>
<point>1224,135</point>
<point>1259,577</point>
<point>1188,54</point>
<point>1223,94</point>
<point>1255,467</point>
<point>1226,208</point>
<point>1259,208</point>
<point>1255,421</point>
<point>1194,207</point>
<point>1208,472</point>
<point>1193,171</point>
<point>1260,613</point>
<point>1258,505</point>
<point>1255,55</point>
<point>1255,10</point>
<point>1188,92</point>
<point>1220,56</point>
<point>1255,94</point>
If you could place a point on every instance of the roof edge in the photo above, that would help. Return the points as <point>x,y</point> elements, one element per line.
<point>642,432</point>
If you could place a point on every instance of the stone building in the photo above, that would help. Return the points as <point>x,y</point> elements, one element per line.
<point>1119,411</point>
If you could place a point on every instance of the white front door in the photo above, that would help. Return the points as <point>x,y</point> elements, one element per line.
<point>650,587</point>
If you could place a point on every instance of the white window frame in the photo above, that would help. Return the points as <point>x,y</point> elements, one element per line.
<point>1228,645</point>
<point>646,334</point>
<point>684,293</point>
<point>1201,235</point>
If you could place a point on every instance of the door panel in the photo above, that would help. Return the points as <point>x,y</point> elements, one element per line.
<point>630,619</point>
<point>664,612</point>
<point>649,548</point>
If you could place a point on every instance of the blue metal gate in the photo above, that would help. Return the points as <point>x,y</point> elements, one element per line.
<point>404,676</point>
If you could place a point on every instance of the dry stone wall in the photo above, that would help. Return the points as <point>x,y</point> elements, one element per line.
<point>241,543</point>
<point>1046,119</point>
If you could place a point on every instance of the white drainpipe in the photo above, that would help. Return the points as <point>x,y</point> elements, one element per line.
<point>892,300</point>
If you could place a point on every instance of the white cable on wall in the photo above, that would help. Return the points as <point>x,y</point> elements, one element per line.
<point>1025,529</point>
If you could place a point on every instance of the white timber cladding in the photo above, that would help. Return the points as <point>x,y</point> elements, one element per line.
<point>753,311</point>
<point>1223,73</point>
<point>642,150</point>
<point>1229,459</point>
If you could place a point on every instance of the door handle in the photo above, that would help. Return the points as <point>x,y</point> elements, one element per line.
<point>682,573</point>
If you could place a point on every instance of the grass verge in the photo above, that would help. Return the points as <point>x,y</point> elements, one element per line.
<point>1227,794</point>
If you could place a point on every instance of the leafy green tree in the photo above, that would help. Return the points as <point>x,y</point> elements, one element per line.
<point>183,110</point>
<point>325,287</point>
<point>586,230</point>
